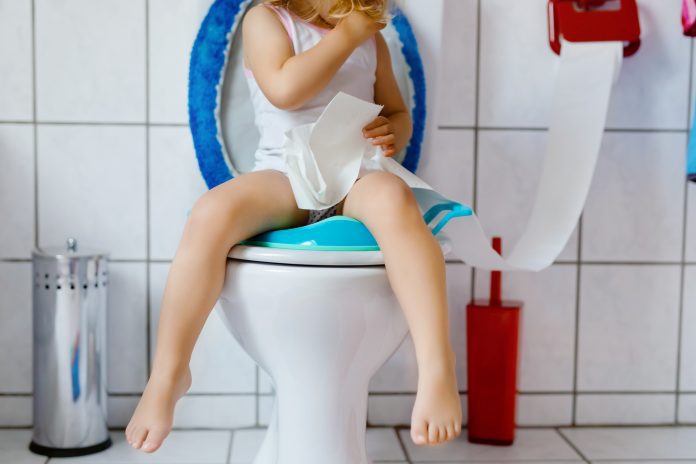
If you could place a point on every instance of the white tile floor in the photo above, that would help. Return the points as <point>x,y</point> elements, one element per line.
<point>616,445</point>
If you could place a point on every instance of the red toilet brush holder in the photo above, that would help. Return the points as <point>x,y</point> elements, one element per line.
<point>492,358</point>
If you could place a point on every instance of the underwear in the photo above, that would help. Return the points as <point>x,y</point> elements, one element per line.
<point>316,215</point>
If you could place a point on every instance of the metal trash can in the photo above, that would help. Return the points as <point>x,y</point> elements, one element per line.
<point>70,290</point>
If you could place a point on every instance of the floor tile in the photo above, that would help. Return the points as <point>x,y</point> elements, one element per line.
<point>181,447</point>
<point>634,443</point>
<point>245,444</point>
<point>530,445</point>
<point>14,448</point>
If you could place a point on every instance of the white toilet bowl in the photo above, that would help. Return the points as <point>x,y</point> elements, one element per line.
<point>320,324</point>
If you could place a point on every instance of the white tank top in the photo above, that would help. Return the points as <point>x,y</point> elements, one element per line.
<point>356,77</point>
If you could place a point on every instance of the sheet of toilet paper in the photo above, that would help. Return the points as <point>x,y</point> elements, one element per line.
<point>325,159</point>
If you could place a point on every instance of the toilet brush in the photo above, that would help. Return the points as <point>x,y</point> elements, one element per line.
<point>492,359</point>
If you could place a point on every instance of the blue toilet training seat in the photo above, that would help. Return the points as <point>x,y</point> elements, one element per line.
<point>225,136</point>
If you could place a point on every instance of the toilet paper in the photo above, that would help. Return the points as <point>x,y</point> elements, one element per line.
<point>325,159</point>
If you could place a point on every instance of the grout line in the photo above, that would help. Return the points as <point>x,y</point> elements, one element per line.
<point>148,250</point>
<point>33,122</point>
<point>96,123</point>
<point>474,194</point>
<point>229,447</point>
<point>401,443</point>
<point>571,444</point>
<point>545,129</point>
<point>576,334</point>
<point>680,323</point>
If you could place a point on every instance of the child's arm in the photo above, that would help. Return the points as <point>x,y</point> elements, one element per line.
<point>392,129</point>
<point>290,80</point>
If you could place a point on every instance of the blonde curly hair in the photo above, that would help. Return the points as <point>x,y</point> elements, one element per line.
<point>374,9</point>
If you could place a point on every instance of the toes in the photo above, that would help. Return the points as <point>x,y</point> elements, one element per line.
<point>451,434</point>
<point>433,434</point>
<point>154,439</point>
<point>137,437</point>
<point>458,428</point>
<point>419,433</point>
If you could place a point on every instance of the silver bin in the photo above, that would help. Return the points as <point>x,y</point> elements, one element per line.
<point>70,289</point>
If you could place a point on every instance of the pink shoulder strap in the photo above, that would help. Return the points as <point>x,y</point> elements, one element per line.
<point>283,16</point>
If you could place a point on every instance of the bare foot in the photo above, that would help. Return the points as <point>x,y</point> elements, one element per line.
<point>437,413</point>
<point>152,419</point>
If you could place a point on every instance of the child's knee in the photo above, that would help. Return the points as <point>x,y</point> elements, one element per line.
<point>214,209</point>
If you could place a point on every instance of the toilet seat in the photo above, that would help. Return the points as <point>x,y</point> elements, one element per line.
<point>298,257</point>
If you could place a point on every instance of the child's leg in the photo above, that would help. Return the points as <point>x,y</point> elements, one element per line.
<point>227,214</point>
<point>416,269</point>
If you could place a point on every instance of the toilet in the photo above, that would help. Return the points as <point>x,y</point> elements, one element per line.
<point>311,305</point>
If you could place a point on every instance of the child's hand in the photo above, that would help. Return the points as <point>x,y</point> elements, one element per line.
<point>382,134</point>
<point>359,27</point>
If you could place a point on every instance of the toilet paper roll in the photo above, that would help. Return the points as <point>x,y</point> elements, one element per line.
<point>324,160</point>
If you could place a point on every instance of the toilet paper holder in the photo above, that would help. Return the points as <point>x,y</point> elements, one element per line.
<point>580,21</point>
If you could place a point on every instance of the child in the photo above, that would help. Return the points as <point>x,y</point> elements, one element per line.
<point>299,55</point>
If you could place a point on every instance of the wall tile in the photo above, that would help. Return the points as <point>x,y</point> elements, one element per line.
<point>127,327</point>
<point>635,207</point>
<point>691,223</point>
<point>16,328</point>
<point>400,373</point>
<point>215,412</point>
<point>16,411</point>
<point>265,405</point>
<point>516,75</point>
<point>395,410</point>
<point>628,328</point>
<point>175,185</point>
<point>120,410</point>
<point>218,365</point>
<point>449,166</point>
<point>518,68</point>
<point>658,73</point>
<point>92,187</point>
<point>15,54</point>
<point>625,409</point>
<point>16,189</point>
<point>687,409</point>
<point>509,168</point>
<point>90,60</point>
<point>457,89</point>
<point>173,26</point>
<point>687,377</point>
<point>544,410</point>
<point>547,338</point>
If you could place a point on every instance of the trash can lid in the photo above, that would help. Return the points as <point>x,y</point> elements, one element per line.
<point>71,250</point>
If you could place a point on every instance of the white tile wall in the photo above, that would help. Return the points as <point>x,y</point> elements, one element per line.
<point>687,377</point>
<point>635,208</point>
<point>92,187</point>
<point>544,410</point>
<point>625,409</point>
<point>90,60</point>
<point>16,190</point>
<point>628,328</point>
<point>16,87</point>
<point>172,28</point>
<point>16,327</point>
<point>691,223</point>
<point>127,315</point>
<point>118,68</point>
<point>175,184</point>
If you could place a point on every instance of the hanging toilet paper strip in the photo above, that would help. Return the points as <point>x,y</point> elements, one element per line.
<point>325,159</point>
